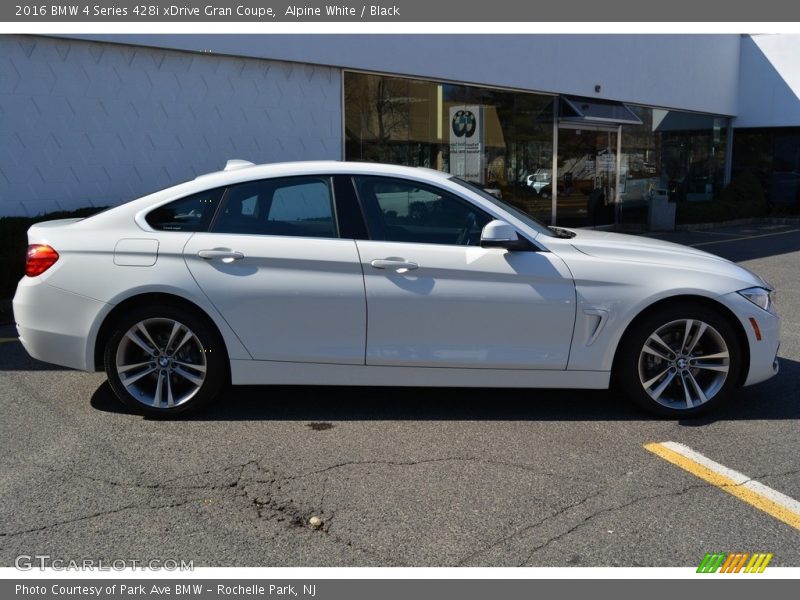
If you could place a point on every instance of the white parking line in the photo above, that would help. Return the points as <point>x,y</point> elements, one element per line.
<point>748,237</point>
<point>762,497</point>
<point>733,236</point>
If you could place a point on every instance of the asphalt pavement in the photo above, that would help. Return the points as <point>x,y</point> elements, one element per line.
<point>399,477</point>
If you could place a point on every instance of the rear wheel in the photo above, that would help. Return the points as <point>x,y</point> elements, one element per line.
<point>164,360</point>
<point>680,361</point>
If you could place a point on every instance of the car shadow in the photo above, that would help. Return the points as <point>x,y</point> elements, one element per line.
<point>773,399</point>
<point>776,398</point>
<point>14,358</point>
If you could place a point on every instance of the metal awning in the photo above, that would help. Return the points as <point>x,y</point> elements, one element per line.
<point>575,109</point>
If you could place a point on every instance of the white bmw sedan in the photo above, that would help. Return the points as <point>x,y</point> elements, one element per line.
<point>331,273</point>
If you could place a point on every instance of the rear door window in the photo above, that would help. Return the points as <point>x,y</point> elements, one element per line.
<point>290,206</point>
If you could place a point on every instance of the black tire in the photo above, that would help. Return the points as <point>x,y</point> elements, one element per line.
<point>635,367</point>
<point>201,358</point>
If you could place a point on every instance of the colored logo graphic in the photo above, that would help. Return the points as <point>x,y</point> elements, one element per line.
<point>464,123</point>
<point>734,562</point>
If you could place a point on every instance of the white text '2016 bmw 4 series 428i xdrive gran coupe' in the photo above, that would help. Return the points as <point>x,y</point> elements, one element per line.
<point>336,273</point>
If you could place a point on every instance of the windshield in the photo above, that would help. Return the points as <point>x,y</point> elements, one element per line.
<point>531,222</point>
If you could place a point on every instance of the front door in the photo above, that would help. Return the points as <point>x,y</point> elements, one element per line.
<point>436,298</point>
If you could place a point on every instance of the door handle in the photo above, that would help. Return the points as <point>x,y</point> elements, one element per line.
<point>225,254</point>
<point>400,265</point>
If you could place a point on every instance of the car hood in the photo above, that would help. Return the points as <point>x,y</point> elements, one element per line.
<point>634,248</point>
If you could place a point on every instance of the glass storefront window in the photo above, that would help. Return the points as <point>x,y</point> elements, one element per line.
<point>681,152</point>
<point>503,141</point>
<point>500,140</point>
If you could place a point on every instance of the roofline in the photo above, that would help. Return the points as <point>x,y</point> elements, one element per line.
<point>244,174</point>
<point>318,167</point>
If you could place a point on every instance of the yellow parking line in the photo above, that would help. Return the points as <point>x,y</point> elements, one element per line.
<point>756,494</point>
<point>7,340</point>
<point>741,239</point>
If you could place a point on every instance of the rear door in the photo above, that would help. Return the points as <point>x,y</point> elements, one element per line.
<point>275,267</point>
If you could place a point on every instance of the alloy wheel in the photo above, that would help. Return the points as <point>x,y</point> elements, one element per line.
<point>684,364</point>
<point>161,363</point>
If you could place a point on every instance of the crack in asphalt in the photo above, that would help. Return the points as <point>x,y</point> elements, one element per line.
<point>155,486</point>
<point>609,509</point>
<point>676,493</point>
<point>321,501</point>
<point>137,505</point>
<point>521,531</point>
<point>525,529</point>
<point>267,507</point>
<point>412,463</point>
<point>782,474</point>
<point>257,463</point>
<point>104,513</point>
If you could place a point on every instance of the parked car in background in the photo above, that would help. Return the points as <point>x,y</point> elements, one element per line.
<point>539,180</point>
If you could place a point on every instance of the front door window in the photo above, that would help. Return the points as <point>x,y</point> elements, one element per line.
<point>400,210</point>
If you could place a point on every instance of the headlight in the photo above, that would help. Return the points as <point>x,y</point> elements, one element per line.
<point>761,297</point>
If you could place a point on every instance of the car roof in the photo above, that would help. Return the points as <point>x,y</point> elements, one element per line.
<point>238,170</point>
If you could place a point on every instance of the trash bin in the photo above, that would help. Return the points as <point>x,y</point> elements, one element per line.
<point>661,211</point>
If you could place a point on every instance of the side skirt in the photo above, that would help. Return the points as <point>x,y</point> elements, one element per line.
<point>261,372</point>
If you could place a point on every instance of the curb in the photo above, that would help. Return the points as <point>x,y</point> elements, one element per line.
<point>736,222</point>
<point>641,228</point>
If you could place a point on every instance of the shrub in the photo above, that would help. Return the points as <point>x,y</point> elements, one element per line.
<point>14,242</point>
<point>745,190</point>
<point>743,198</point>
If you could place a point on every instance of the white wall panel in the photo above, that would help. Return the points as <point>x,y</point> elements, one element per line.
<point>690,72</point>
<point>769,88</point>
<point>94,123</point>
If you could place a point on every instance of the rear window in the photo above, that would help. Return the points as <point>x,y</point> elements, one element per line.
<point>192,213</point>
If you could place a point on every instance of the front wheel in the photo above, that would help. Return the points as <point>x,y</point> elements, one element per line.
<point>680,361</point>
<point>164,360</point>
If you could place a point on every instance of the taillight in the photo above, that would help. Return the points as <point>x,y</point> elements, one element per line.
<point>40,258</point>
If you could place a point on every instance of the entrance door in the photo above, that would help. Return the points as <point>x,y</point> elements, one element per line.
<point>587,176</point>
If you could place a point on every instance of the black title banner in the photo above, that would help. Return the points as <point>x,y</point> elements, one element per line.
<point>265,11</point>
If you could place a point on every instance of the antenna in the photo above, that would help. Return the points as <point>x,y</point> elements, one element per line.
<point>237,163</point>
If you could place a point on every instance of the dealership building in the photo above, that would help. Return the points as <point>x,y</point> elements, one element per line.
<point>578,130</point>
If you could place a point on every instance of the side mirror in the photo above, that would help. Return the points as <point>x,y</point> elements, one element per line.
<point>499,234</point>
